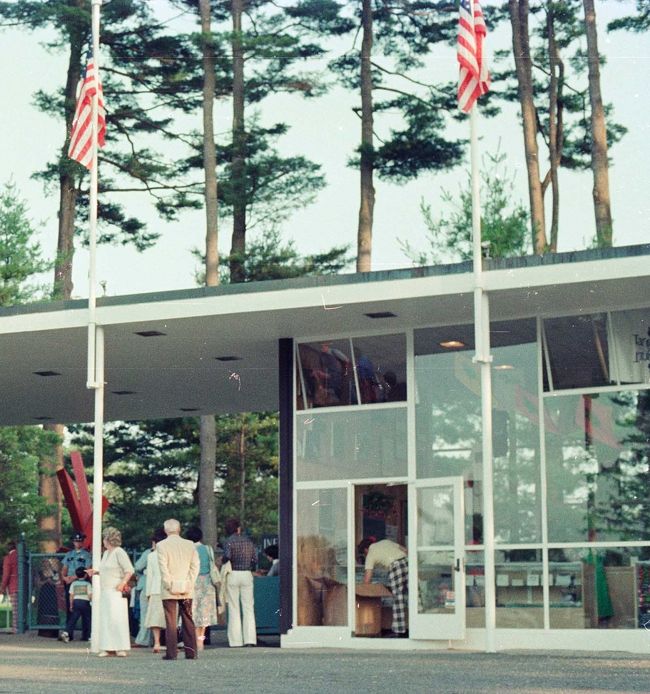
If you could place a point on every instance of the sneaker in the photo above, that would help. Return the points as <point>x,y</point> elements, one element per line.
<point>121,654</point>
<point>102,654</point>
<point>64,636</point>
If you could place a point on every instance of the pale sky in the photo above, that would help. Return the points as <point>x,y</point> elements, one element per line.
<point>327,131</point>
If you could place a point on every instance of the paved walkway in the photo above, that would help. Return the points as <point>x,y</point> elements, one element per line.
<point>32,664</point>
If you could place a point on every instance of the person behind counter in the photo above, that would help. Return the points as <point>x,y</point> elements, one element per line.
<point>391,556</point>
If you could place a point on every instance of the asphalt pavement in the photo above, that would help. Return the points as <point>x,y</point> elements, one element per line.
<point>29,663</point>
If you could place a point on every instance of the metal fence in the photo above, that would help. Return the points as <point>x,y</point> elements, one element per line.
<point>45,599</point>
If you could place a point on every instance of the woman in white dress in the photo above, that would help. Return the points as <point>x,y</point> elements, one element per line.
<point>115,571</point>
<point>155,619</point>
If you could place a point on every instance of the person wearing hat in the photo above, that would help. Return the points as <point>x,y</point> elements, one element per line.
<point>77,558</point>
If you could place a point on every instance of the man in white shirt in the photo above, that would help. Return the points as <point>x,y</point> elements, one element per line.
<point>391,556</point>
<point>179,567</point>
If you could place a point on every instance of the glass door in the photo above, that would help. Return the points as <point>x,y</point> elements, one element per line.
<point>436,550</point>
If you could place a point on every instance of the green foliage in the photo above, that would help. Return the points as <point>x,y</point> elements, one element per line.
<point>274,185</point>
<point>21,507</point>
<point>20,255</point>
<point>638,22</point>
<point>147,74</point>
<point>504,223</point>
<point>267,257</point>
<point>403,37</point>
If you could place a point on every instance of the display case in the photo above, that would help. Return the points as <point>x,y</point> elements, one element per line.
<point>520,595</point>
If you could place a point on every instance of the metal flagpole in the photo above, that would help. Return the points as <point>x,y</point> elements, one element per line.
<point>95,371</point>
<point>484,359</point>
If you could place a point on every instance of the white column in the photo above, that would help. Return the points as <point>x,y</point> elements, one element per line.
<point>98,482</point>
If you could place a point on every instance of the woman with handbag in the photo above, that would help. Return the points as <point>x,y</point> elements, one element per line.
<point>115,572</point>
<point>204,605</point>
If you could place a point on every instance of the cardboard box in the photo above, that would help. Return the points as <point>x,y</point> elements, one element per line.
<point>369,608</point>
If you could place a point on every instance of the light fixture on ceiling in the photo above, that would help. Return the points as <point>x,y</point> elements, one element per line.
<point>228,357</point>
<point>46,373</point>
<point>123,392</point>
<point>149,333</point>
<point>504,367</point>
<point>381,314</point>
<point>451,344</point>
<point>188,409</point>
<point>43,418</point>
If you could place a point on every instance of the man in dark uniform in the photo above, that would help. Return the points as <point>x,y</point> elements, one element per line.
<point>77,558</point>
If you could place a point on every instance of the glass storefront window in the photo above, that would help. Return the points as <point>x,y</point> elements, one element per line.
<point>381,368</point>
<point>597,466</point>
<point>475,589</point>
<point>325,374</point>
<point>448,423</point>
<point>366,370</point>
<point>578,352</point>
<point>322,562</point>
<point>631,344</point>
<point>599,588</point>
<point>351,444</point>
<point>519,586</point>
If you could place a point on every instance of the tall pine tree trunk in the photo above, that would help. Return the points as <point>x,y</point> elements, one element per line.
<point>367,204</point>
<point>519,12</point>
<point>48,483</point>
<point>556,80</point>
<point>208,433</point>
<point>238,245</point>
<point>599,160</point>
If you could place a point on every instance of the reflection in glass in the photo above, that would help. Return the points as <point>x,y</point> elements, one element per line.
<point>598,455</point>
<point>608,588</point>
<point>448,424</point>
<point>381,368</point>
<point>436,516</point>
<point>351,444</point>
<point>436,576</point>
<point>322,557</point>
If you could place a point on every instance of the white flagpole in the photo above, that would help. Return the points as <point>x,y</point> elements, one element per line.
<point>95,371</point>
<point>484,359</point>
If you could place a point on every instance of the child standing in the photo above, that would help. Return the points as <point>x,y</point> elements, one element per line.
<point>80,597</point>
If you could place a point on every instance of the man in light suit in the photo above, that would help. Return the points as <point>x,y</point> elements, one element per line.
<point>179,567</point>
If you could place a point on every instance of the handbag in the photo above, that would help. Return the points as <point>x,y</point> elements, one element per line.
<point>126,591</point>
<point>215,575</point>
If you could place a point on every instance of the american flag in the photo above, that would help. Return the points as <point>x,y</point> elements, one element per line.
<point>474,79</point>
<point>80,148</point>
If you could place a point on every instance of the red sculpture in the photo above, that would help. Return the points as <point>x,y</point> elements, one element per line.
<point>77,500</point>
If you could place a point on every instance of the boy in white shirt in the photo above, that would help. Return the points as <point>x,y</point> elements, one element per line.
<point>80,596</point>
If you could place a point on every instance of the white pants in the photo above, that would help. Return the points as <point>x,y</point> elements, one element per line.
<point>241,608</point>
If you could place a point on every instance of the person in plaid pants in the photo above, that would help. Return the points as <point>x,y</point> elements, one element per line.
<point>391,556</point>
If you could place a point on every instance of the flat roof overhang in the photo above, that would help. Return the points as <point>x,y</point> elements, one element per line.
<point>180,373</point>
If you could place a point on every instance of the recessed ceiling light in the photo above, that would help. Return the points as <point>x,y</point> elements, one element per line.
<point>504,367</point>
<point>43,418</point>
<point>452,344</point>
<point>123,392</point>
<point>381,314</point>
<point>229,357</point>
<point>149,333</point>
<point>46,373</point>
<point>188,409</point>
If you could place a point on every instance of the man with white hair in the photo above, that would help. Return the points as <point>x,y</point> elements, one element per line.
<point>179,567</point>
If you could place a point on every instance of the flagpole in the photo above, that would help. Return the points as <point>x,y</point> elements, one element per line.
<point>95,370</point>
<point>484,359</point>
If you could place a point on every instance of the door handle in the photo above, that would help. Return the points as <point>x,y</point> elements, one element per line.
<point>457,567</point>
